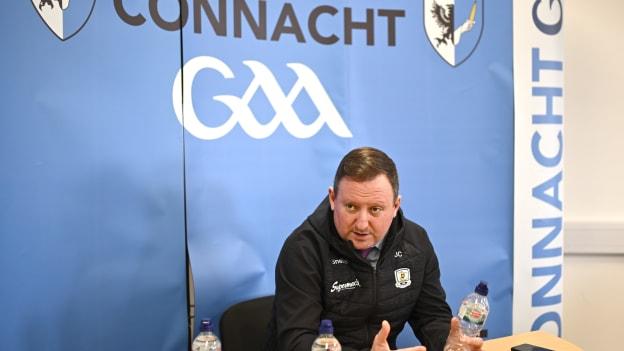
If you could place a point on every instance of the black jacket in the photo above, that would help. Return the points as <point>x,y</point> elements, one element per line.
<point>320,276</point>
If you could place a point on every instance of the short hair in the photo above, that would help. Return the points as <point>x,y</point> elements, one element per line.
<point>366,163</point>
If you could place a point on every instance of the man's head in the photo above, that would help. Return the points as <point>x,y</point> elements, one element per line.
<point>365,197</point>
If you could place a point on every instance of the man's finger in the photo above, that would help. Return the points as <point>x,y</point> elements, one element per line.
<point>473,343</point>
<point>381,343</point>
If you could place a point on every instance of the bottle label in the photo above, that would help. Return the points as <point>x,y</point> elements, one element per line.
<point>472,312</point>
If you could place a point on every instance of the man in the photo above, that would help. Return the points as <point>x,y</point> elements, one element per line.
<point>359,262</point>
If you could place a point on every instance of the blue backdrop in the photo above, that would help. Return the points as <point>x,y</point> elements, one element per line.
<point>104,160</point>
<point>449,129</point>
<point>92,247</point>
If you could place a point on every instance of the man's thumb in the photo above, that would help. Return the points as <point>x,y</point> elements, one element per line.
<point>383,333</point>
<point>455,332</point>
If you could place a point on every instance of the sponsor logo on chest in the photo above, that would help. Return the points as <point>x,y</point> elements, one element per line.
<point>338,287</point>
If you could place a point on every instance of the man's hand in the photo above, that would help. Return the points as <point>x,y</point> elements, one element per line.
<point>381,344</point>
<point>470,343</point>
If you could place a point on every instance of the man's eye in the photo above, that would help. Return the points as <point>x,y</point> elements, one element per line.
<point>350,207</point>
<point>376,210</point>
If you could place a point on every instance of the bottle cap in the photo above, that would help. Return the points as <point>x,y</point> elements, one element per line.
<point>206,325</point>
<point>482,288</point>
<point>483,333</point>
<point>326,327</point>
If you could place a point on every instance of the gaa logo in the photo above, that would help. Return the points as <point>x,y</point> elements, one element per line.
<point>64,19</point>
<point>263,78</point>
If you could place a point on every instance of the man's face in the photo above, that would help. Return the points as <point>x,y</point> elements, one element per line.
<point>363,211</point>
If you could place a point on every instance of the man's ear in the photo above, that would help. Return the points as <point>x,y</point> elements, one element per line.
<point>397,205</point>
<point>332,197</point>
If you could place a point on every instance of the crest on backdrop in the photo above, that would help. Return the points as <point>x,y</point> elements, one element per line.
<point>64,18</point>
<point>453,27</point>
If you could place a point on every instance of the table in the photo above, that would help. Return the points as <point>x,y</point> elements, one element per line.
<point>538,338</point>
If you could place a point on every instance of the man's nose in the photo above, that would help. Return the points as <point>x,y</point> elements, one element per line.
<point>361,222</point>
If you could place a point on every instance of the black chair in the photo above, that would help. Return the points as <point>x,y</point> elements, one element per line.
<point>244,326</point>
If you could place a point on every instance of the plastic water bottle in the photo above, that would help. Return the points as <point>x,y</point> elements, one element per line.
<point>206,340</point>
<point>326,340</point>
<point>474,310</point>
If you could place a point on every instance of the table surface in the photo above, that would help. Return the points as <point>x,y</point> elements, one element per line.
<point>537,338</point>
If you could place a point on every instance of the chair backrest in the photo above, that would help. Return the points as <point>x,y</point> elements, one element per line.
<point>244,326</point>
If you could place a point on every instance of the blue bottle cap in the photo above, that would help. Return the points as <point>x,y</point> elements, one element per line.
<point>326,327</point>
<point>206,325</point>
<point>482,288</point>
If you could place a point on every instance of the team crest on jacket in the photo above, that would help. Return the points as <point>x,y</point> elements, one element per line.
<point>453,27</point>
<point>402,278</point>
<point>64,19</point>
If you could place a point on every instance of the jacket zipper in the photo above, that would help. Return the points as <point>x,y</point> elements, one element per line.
<point>374,301</point>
